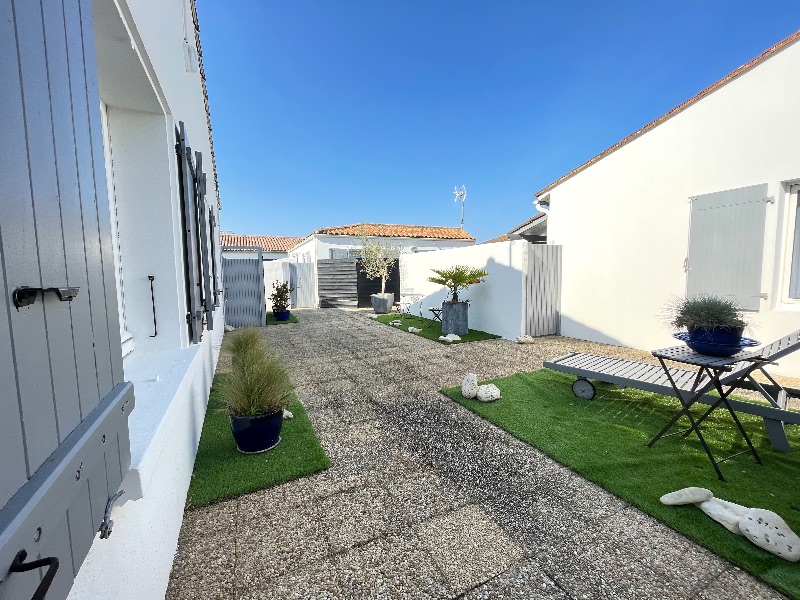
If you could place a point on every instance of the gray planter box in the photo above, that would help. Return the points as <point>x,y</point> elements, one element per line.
<point>382,303</point>
<point>454,318</point>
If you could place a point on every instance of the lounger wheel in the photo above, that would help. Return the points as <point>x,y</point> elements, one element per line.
<point>584,389</point>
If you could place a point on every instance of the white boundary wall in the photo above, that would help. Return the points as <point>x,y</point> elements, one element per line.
<point>624,221</point>
<point>496,304</point>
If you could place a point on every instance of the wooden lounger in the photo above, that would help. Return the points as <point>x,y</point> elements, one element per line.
<point>651,378</point>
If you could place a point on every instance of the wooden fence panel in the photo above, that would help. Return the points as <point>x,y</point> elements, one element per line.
<point>337,283</point>
<point>543,290</point>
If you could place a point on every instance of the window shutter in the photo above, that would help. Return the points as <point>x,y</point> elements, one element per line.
<point>191,259</point>
<point>208,299</point>
<point>212,220</point>
<point>726,245</point>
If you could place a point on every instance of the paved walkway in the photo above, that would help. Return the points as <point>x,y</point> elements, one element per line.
<point>426,500</point>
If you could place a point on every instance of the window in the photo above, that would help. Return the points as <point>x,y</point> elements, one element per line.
<point>125,334</point>
<point>794,277</point>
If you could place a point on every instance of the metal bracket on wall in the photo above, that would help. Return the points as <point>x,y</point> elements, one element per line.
<point>25,296</point>
<point>20,566</point>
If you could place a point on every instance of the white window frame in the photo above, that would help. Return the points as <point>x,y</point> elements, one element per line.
<point>125,335</point>
<point>792,208</point>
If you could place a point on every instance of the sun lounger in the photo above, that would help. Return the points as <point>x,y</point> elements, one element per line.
<point>652,378</point>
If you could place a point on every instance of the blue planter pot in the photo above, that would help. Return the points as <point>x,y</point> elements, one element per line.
<point>282,315</point>
<point>257,434</point>
<point>715,342</point>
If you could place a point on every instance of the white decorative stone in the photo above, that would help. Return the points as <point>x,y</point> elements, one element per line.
<point>287,414</point>
<point>443,338</point>
<point>689,495</point>
<point>414,330</point>
<point>372,315</point>
<point>488,393</point>
<point>728,519</point>
<point>526,339</point>
<point>732,507</point>
<point>230,328</point>
<point>469,387</point>
<point>769,531</point>
<point>396,323</point>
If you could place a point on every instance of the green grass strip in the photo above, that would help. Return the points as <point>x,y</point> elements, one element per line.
<point>271,320</point>
<point>432,329</point>
<point>222,472</point>
<point>604,440</point>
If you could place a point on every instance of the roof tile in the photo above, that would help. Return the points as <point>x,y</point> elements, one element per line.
<point>268,243</point>
<point>408,231</point>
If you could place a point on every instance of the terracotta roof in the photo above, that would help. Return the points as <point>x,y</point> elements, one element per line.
<point>529,222</point>
<point>499,238</point>
<point>268,243</point>
<point>680,108</point>
<point>409,231</point>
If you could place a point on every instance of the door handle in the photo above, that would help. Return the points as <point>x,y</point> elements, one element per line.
<point>20,566</point>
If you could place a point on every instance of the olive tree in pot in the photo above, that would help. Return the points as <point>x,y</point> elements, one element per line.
<point>377,260</point>
<point>280,300</point>
<point>455,313</point>
<point>254,393</point>
<point>714,323</point>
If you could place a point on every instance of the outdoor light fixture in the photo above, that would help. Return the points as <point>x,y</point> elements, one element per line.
<point>542,204</point>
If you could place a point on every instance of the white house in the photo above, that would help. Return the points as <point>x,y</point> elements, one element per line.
<point>702,200</point>
<point>344,241</point>
<point>111,309</point>
<point>273,247</point>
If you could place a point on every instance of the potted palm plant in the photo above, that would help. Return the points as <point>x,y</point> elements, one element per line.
<point>377,260</point>
<point>713,324</point>
<point>455,312</point>
<point>280,300</point>
<point>254,393</point>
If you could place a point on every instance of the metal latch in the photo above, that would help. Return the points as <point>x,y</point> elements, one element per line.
<point>108,524</point>
<point>764,296</point>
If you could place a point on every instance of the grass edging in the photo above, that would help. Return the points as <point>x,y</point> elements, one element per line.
<point>604,440</point>
<point>272,320</point>
<point>431,329</point>
<point>222,472</point>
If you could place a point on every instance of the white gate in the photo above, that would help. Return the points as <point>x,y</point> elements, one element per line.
<point>304,282</point>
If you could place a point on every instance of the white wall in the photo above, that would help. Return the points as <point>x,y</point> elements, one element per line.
<point>276,271</point>
<point>496,304</point>
<point>305,251</point>
<point>144,82</point>
<point>624,222</point>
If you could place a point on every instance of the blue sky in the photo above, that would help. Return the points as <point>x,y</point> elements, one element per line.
<point>329,112</point>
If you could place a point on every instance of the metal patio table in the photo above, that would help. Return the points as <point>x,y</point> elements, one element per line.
<point>707,379</point>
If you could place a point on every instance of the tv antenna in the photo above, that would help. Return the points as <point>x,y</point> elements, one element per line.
<point>460,193</point>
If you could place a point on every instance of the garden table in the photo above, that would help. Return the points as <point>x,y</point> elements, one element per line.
<point>707,378</point>
<point>437,315</point>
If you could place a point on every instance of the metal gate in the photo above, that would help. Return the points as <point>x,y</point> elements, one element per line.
<point>243,280</point>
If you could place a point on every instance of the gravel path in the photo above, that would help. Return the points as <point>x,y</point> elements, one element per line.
<point>426,500</point>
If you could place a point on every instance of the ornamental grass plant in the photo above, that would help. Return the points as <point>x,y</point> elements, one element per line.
<point>257,384</point>
<point>706,312</point>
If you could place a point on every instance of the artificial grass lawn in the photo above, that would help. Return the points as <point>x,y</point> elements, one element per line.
<point>432,330</point>
<point>271,320</point>
<point>221,471</point>
<point>605,440</point>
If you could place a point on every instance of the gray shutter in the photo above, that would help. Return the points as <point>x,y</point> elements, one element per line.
<point>190,234</point>
<point>794,282</point>
<point>212,220</point>
<point>208,295</point>
<point>726,245</point>
<point>64,406</point>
